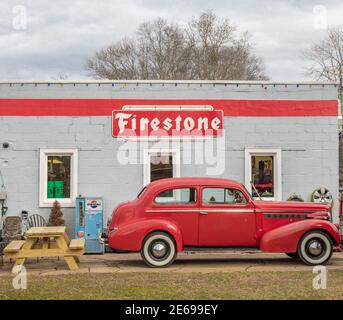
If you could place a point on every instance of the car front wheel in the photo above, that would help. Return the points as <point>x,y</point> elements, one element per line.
<point>158,250</point>
<point>315,248</point>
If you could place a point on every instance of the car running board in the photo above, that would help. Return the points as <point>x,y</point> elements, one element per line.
<point>221,249</point>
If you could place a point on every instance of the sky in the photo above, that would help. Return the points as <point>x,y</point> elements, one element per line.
<point>40,39</point>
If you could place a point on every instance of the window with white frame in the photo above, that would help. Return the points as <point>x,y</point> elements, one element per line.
<point>58,177</point>
<point>263,170</point>
<point>160,164</point>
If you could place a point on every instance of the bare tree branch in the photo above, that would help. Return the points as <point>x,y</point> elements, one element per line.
<point>327,57</point>
<point>207,48</point>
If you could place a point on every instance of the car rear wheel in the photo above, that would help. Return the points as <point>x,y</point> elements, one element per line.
<point>158,250</point>
<point>293,255</point>
<point>315,248</point>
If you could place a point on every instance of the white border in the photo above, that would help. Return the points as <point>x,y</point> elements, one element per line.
<point>277,170</point>
<point>44,202</point>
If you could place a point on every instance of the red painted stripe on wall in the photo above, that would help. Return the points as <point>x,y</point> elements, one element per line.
<point>104,107</point>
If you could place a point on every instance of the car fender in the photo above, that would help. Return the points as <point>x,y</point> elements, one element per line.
<point>129,237</point>
<point>287,237</point>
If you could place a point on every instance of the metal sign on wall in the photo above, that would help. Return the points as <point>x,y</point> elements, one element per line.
<point>167,123</point>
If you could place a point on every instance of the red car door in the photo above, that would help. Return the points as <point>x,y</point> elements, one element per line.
<point>226,218</point>
<point>180,205</point>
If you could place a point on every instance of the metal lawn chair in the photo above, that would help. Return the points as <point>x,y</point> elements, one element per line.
<point>11,230</point>
<point>3,244</point>
<point>35,220</point>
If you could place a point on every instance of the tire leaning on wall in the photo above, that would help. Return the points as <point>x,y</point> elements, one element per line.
<point>322,195</point>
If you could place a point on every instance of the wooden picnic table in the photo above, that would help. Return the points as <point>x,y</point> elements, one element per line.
<point>46,242</point>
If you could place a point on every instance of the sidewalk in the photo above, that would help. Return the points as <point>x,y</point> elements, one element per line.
<point>185,263</point>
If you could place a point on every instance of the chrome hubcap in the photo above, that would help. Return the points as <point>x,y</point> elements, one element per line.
<point>159,249</point>
<point>315,248</point>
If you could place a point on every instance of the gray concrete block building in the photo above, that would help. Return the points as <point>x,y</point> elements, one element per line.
<point>58,140</point>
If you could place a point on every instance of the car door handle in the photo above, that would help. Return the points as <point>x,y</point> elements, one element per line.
<point>204,213</point>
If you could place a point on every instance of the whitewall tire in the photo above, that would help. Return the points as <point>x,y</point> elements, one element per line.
<point>315,248</point>
<point>158,249</point>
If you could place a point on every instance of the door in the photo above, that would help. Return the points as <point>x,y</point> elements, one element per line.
<point>93,225</point>
<point>226,218</point>
<point>181,206</point>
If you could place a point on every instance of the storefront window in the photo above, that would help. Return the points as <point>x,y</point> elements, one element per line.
<point>161,167</point>
<point>161,164</point>
<point>262,175</point>
<point>58,176</point>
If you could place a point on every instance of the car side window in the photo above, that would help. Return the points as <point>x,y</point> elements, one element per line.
<point>222,196</point>
<point>177,196</point>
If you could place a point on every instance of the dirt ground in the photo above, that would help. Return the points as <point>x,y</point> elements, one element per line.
<point>185,263</point>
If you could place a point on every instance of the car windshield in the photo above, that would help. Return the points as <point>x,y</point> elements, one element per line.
<point>141,192</point>
<point>246,190</point>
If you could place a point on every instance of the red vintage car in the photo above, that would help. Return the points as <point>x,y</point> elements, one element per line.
<point>197,214</point>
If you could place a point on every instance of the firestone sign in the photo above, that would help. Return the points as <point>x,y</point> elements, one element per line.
<point>167,123</point>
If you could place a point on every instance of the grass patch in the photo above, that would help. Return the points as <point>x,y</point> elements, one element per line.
<point>236,285</point>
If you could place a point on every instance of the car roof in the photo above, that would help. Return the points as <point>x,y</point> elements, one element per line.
<point>198,181</point>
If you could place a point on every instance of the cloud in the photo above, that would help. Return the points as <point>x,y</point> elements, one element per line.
<point>61,35</point>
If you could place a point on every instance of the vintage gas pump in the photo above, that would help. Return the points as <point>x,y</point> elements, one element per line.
<point>89,220</point>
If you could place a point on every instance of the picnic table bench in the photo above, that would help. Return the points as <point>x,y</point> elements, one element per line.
<point>46,242</point>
